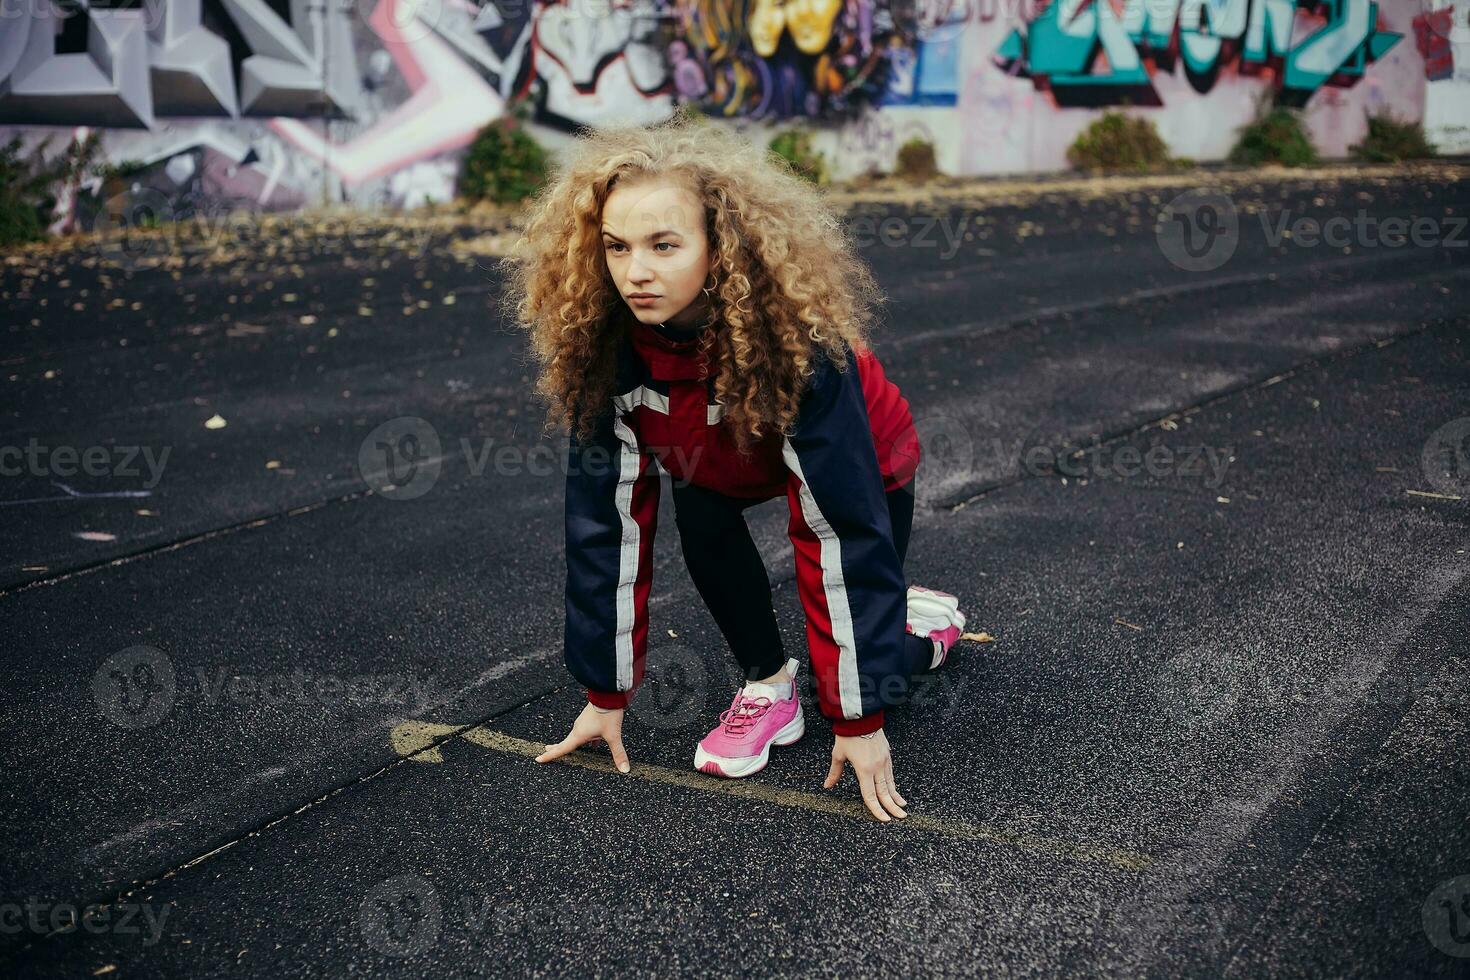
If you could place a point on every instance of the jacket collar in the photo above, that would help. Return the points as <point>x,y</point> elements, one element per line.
<point>667,359</point>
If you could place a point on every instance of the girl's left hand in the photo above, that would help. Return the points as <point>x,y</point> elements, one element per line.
<point>873,764</point>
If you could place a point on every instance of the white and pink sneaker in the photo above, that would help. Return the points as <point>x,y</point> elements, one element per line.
<point>757,719</point>
<point>935,616</point>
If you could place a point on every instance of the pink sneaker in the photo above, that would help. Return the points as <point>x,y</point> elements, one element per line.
<point>741,743</point>
<point>936,616</point>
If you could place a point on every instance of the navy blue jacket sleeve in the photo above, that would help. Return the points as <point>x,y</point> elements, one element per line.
<point>612,493</point>
<point>848,574</point>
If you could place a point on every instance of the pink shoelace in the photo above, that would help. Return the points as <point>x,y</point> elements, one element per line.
<point>745,712</point>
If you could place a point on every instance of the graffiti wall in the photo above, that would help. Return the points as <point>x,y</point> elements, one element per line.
<point>1441,34</point>
<point>291,102</point>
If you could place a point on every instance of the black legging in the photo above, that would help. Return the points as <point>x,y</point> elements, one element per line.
<point>731,577</point>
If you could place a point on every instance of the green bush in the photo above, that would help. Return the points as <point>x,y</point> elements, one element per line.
<point>504,164</point>
<point>1118,142</point>
<point>916,160</point>
<point>1390,140</point>
<point>1278,136</point>
<point>27,186</point>
<point>795,147</point>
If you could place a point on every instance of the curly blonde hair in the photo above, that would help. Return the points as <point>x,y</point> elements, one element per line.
<point>784,281</point>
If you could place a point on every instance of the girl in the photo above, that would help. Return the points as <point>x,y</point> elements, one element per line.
<point>697,310</point>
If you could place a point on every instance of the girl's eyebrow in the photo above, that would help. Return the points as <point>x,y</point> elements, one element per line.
<point>650,237</point>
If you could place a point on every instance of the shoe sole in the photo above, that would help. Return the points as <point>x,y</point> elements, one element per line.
<point>738,768</point>
<point>934,604</point>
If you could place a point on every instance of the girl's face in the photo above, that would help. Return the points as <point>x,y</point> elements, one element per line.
<point>653,237</point>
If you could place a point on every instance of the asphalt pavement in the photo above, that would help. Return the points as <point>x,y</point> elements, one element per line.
<point>269,715</point>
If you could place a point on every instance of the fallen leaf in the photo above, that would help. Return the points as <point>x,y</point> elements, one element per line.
<point>215,422</point>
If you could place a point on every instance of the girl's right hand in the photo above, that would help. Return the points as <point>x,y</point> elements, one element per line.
<point>593,724</point>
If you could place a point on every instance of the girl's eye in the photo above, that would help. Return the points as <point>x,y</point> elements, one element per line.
<point>613,246</point>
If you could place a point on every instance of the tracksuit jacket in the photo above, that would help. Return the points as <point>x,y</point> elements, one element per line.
<point>853,441</point>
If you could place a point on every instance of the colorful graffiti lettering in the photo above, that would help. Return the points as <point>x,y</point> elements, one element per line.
<point>783,58</point>
<point>1089,53</point>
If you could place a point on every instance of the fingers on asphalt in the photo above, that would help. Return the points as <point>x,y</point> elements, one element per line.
<point>619,754</point>
<point>558,750</point>
<point>893,786</point>
<point>870,797</point>
<point>885,794</point>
